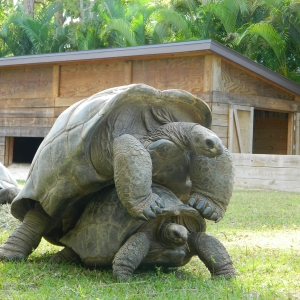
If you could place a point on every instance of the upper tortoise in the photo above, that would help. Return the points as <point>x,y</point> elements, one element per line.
<point>114,136</point>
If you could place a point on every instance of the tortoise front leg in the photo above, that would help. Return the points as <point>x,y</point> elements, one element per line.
<point>27,236</point>
<point>213,254</point>
<point>133,178</point>
<point>7,195</point>
<point>212,184</point>
<point>130,255</point>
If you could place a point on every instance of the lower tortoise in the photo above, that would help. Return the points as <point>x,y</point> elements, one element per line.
<point>106,235</point>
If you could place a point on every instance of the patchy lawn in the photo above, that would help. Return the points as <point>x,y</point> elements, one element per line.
<point>261,231</point>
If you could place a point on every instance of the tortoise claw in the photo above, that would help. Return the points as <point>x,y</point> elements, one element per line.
<point>207,211</point>
<point>200,204</point>
<point>155,208</point>
<point>142,217</point>
<point>159,203</point>
<point>192,202</point>
<point>149,213</point>
<point>219,219</point>
<point>206,208</point>
<point>214,216</point>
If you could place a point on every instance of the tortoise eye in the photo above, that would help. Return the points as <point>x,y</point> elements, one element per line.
<point>210,144</point>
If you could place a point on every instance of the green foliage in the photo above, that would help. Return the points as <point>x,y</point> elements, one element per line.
<point>260,230</point>
<point>26,35</point>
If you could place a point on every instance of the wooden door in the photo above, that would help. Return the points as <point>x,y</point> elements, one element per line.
<point>240,129</point>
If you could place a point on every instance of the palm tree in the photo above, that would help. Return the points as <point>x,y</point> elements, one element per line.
<point>142,22</point>
<point>13,39</point>
<point>274,39</point>
<point>26,35</point>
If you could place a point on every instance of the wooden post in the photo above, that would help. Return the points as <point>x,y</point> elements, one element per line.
<point>291,142</point>
<point>9,148</point>
<point>55,81</point>
<point>230,129</point>
<point>212,73</point>
<point>128,72</point>
<point>297,133</point>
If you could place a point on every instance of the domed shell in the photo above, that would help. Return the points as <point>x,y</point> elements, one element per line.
<point>62,173</point>
<point>105,225</point>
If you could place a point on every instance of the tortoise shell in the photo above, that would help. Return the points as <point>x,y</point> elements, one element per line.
<point>62,172</point>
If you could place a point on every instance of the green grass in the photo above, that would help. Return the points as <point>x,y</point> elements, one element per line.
<point>261,231</point>
<point>20,182</point>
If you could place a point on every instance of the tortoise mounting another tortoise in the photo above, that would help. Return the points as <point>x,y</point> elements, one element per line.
<point>113,137</point>
<point>106,235</point>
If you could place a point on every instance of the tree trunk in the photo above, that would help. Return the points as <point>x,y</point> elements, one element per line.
<point>29,7</point>
<point>81,6</point>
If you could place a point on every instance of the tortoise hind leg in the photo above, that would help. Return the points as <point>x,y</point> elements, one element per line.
<point>27,236</point>
<point>213,254</point>
<point>7,195</point>
<point>64,255</point>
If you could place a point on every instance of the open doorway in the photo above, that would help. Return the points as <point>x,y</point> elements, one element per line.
<point>270,132</point>
<point>24,148</point>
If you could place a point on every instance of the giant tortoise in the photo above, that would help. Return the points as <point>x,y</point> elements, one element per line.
<point>111,137</point>
<point>106,235</point>
<point>9,187</point>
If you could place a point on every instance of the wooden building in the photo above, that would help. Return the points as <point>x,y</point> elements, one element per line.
<point>256,112</point>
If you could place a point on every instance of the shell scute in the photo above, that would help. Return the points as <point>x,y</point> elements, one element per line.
<point>60,157</point>
<point>43,171</point>
<point>77,148</point>
<point>61,197</point>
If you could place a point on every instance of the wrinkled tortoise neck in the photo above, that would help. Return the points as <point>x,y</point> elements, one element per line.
<point>176,132</point>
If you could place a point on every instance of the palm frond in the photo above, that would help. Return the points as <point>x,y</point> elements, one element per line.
<point>138,27</point>
<point>122,28</point>
<point>47,14</point>
<point>176,20</point>
<point>269,34</point>
<point>226,11</point>
<point>82,42</point>
<point>114,8</point>
<point>160,33</point>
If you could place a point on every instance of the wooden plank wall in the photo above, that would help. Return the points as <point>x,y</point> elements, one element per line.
<point>171,73</point>
<point>270,172</point>
<point>26,103</point>
<point>236,80</point>
<point>32,98</point>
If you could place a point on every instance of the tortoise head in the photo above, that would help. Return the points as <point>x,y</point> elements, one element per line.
<point>173,235</point>
<point>205,142</point>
